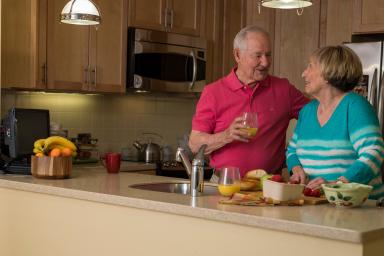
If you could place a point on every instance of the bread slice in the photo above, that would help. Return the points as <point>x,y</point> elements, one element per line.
<point>255,174</point>
<point>247,185</point>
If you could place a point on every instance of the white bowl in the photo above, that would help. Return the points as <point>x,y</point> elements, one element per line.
<point>282,191</point>
<point>346,194</point>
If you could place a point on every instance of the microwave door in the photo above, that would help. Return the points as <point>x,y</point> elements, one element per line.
<point>172,68</point>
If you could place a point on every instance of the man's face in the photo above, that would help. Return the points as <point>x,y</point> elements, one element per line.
<point>254,61</point>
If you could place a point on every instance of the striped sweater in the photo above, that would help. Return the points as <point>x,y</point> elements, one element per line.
<point>349,144</point>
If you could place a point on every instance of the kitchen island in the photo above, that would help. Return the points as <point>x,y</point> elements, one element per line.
<point>95,213</point>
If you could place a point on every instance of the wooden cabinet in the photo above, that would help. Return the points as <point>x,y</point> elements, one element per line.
<point>296,37</point>
<point>177,16</point>
<point>368,16</point>
<point>336,22</point>
<point>46,54</point>
<point>87,58</point>
<point>22,59</point>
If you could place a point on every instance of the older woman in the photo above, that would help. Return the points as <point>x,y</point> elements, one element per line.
<point>337,136</point>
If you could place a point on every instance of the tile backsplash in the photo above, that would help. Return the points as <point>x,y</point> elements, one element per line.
<point>116,121</point>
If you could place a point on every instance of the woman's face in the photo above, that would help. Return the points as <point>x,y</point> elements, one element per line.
<point>314,80</point>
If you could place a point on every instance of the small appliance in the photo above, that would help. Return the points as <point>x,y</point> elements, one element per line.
<point>165,62</point>
<point>20,129</point>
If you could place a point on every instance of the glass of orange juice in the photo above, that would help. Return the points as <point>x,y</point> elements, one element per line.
<point>250,123</point>
<point>229,181</point>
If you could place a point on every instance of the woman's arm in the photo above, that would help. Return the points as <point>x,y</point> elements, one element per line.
<point>367,140</point>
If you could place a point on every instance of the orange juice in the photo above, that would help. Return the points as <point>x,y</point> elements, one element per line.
<point>251,131</point>
<point>228,190</point>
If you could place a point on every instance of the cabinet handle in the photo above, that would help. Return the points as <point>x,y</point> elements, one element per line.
<point>168,17</point>
<point>165,18</point>
<point>194,70</point>
<point>94,71</point>
<point>86,75</point>
<point>171,14</point>
<point>44,78</point>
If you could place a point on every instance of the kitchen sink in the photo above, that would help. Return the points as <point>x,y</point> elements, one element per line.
<point>177,188</point>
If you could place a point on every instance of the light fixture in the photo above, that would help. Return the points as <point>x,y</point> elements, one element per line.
<point>286,4</point>
<point>80,12</point>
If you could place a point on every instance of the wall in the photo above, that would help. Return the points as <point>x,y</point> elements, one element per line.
<point>116,121</point>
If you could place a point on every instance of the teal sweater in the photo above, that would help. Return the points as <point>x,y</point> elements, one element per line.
<point>349,144</point>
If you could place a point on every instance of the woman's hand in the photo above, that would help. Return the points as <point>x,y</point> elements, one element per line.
<point>298,176</point>
<point>316,183</point>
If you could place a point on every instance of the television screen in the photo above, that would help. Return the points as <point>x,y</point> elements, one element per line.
<point>23,127</point>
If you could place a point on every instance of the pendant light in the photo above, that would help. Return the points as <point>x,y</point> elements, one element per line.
<point>80,12</point>
<point>286,4</point>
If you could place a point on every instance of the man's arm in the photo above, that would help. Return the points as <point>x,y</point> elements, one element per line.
<point>220,139</point>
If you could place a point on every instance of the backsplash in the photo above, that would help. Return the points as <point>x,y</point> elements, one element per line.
<point>116,121</point>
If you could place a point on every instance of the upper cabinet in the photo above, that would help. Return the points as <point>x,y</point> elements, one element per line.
<point>46,54</point>
<point>21,34</point>
<point>177,16</point>
<point>87,58</point>
<point>368,16</point>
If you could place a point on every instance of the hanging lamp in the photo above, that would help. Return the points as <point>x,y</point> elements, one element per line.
<point>286,4</point>
<point>80,12</point>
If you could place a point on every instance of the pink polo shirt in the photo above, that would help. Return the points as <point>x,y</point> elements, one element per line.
<point>275,101</point>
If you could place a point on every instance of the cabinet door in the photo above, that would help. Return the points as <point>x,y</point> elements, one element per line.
<point>296,37</point>
<point>108,48</point>
<point>67,51</point>
<point>19,44</point>
<point>147,14</point>
<point>368,16</point>
<point>184,16</point>
<point>336,23</point>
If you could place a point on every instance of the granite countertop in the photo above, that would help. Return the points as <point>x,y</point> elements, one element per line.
<point>92,183</point>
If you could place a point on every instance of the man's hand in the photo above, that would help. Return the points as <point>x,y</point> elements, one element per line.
<point>236,131</point>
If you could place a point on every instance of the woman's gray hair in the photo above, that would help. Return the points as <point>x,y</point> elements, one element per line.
<point>240,39</point>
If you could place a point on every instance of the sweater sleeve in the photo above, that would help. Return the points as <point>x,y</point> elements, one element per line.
<point>367,140</point>
<point>292,159</point>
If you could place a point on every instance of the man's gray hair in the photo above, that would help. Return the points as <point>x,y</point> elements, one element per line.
<point>240,43</point>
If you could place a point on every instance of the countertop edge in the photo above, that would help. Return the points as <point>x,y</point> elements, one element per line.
<point>197,212</point>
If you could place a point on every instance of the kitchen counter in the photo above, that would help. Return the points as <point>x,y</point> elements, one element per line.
<point>91,183</point>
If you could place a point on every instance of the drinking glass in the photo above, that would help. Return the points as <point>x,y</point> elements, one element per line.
<point>229,181</point>
<point>250,123</point>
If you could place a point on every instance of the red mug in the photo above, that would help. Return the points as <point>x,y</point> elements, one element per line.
<point>111,161</point>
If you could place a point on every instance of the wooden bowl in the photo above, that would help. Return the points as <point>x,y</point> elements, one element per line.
<point>51,167</point>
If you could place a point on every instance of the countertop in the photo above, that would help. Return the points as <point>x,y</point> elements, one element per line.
<point>92,183</point>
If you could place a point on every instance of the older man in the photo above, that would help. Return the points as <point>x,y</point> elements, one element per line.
<point>248,88</point>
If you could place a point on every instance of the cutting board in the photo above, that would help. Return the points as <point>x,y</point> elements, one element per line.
<point>315,200</point>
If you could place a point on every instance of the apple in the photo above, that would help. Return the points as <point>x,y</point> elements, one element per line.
<point>277,178</point>
<point>263,178</point>
<point>312,192</point>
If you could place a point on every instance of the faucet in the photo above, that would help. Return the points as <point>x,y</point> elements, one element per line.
<point>195,170</point>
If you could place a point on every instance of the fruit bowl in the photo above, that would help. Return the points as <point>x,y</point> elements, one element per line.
<point>282,191</point>
<point>346,194</point>
<point>49,167</point>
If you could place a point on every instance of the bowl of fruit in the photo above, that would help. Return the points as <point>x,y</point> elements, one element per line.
<point>346,194</point>
<point>52,158</point>
<point>276,188</point>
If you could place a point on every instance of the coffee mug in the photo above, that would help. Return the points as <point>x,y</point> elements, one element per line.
<point>111,161</point>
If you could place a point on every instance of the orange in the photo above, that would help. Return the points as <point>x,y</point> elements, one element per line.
<point>55,152</point>
<point>66,152</point>
<point>39,154</point>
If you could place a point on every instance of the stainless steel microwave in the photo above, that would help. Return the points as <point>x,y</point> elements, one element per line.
<point>165,62</point>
